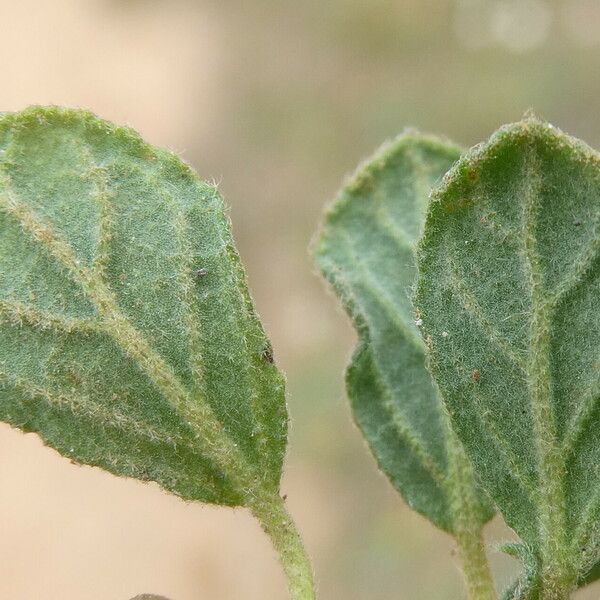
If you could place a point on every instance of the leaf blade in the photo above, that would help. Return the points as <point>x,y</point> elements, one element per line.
<point>366,251</point>
<point>127,267</point>
<point>399,454</point>
<point>515,224</point>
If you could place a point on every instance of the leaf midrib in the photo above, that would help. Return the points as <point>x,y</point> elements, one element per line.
<point>550,498</point>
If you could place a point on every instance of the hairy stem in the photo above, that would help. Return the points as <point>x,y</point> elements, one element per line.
<point>468,526</point>
<point>280,527</point>
<point>555,585</point>
<point>474,565</point>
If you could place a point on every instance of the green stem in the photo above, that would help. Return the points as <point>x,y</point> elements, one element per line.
<point>279,526</point>
<point>556,586</point>
<point>555,593</point>
<point>468,524</point>
<point>474,565</point>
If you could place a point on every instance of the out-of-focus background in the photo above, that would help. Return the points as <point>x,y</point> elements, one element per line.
<point>277,101</point>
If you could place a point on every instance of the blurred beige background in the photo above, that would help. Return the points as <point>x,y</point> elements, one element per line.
<point>278,101</point>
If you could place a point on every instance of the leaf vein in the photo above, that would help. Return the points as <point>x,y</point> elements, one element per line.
<point>216,442</point>
<point>365,280</point>
<point>551,506</point>
<point>580,420</point>
<point>471,306</point>
<point>483,414</point>
<point>578,271</point>
<point>407,433</point>
<point>17,313</point>
<point>80,405</point>
<point>101,196</point>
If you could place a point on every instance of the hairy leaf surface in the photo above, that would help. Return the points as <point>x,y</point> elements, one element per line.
<point>367,251</point>
<point>528,585</point>
<point>128,339</point>
<point>508,293</point>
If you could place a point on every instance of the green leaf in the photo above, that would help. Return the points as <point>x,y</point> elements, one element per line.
<point>366,250</point>
<point>128,339</point>
<point>508,294</point>
<point>590,576</point>
<point>528,585</point>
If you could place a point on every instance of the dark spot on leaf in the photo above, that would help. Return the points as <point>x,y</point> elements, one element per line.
<point>267,354</point>
<point>475,375</point>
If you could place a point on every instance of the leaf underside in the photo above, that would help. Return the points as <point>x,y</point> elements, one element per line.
<point>366,250</point>
<point>128,339</point>
<point>509,281</point>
